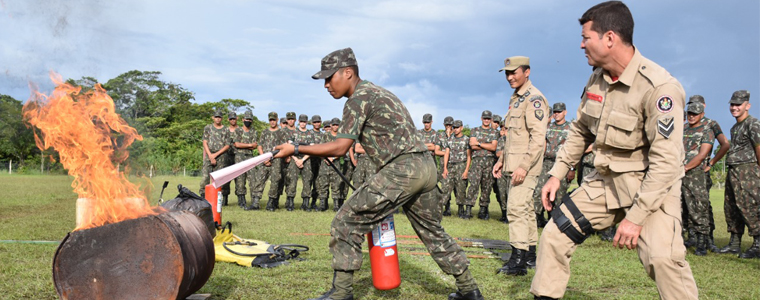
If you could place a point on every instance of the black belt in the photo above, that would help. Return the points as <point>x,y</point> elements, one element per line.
<point>564,224</point>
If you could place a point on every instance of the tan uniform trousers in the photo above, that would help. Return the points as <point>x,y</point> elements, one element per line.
<point>660,245</point>
<point>522,215</point>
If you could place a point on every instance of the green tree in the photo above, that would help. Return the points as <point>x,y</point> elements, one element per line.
<point>16,139</point>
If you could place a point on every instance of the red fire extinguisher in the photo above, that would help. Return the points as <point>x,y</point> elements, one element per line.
<point>214,196</point>
<point>383,255</point>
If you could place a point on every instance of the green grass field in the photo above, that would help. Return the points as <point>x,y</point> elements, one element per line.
<point>40,208</point>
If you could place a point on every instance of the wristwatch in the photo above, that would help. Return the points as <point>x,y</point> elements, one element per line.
<point>478,144</point>
<point>572,168</point>
<point>295,149</point>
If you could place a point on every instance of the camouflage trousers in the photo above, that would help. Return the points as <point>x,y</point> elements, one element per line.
<point>503,184</point>
<point>545,168</point>
<point>695,200</point>
<point>480,178</point>
<point>328,180</point>
<point>348,171</point>
<point>409,181</point>
<point>742,198</point>
<point>207,168</point>
<point>292,172</point>
<point>245,178</point>
<point>364,168</point>
<point>272,173</point>
<point>455,183</point>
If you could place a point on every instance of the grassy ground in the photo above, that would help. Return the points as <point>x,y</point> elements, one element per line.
<point>42,208</point>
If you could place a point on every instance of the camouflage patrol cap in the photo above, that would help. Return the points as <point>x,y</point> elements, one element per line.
<point>334,61</point>
<point>232,115</point>
<point>272,116</point>
<point>739,97</point>
<point>218,113</point>
<point>558,107</point>
<point>514,62</point>
<point>248,115</point>
<point>496,118</point>
<point>456,124</point>
<point>316,118</point>
<point>695,108</point>
<point>327,123</point>
<point>283,120</point>
<point>290,115</point>
<point>697,99</point>
<point>502,123</point>
<point>335,121</point>
<point>303,118</point>
<point>486,114</point>
<point>427,118</point>
<point>448,120</point>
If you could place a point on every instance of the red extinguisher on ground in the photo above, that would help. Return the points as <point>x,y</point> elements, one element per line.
<point>214,196</point>
<point>383,255</point>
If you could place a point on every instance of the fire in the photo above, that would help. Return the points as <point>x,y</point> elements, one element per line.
<point>91,139</point>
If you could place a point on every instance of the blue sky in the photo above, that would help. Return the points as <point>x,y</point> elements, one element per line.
<point>439,57</point>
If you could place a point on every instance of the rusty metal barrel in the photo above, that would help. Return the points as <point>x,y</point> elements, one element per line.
<point>167,256</point>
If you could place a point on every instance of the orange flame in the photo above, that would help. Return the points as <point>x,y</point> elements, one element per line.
<point>90,138</point>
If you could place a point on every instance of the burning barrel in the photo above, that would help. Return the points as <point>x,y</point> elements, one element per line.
<point>167,256</point>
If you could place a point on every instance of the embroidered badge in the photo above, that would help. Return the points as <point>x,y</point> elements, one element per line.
<point>517,103</point>
<point>537,104</point>
<point>665,104</point>
<point>540,115</point>
<point>595,97</point>
<point>665,126</point>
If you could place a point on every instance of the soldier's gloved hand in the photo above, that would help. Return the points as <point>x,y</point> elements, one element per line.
<point>549,192</point>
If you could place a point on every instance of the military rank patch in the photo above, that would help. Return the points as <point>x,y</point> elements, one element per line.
<point>665,125</point>
<point>665,104</point>
<point>540,115</point>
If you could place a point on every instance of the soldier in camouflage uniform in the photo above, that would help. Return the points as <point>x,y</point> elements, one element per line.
<point>364,166</point>
<point>346,168</point>
<point>502,182</point>
<point>406,177</point>
<point>483,141</point>
<point>697,142</point>
<point>496,124</point>
<point>556,134</point>
<point>329,180</point>
<point>742,199</point>
<point>216,143</point>
<point>244,142</point>
<point>230,154</point>
<point>271,169</point>
<point>299,165</point>
<point>458,168</point>
<point>441,150</point>
<point>316,124</point>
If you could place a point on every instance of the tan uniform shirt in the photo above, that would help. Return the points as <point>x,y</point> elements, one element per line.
<point>636,126</point>
<point>526,123</point>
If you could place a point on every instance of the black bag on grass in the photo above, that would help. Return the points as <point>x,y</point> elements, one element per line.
<point>189,201</point>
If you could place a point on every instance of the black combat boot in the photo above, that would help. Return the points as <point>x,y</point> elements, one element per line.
<point>754,250</point>
<point>342,287</point>
<point>701,246</point>
<point>270,204</point>
<point>254,204</point>
<point>516,263</point>
<point>504,218</point>
<point>289,203</point>
<point>692,241</point>
<point>540,220</point>
<point>447,209</point>
<point>305,205</point>
<point>337,204</point>
<point>322,205</point>
<point>314,206</point>
<point>471,295</point>
<point>734,245</point>
<point>460,211</point>
<point>483,214</point>
<point>530,258</point>
<point>711,243</point>
<point>468,212</point>
<point>608,234</point>
<point>241,201</point>
<point>467,288</point>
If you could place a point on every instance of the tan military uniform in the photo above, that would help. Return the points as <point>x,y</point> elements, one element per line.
<point>636,127</point>
<point>526,131</point>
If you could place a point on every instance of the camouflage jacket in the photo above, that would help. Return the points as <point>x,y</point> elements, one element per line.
<point>715,127</point>
<point>269,139</point>
<point>484,136</point>
<point>694,137</point>
<point>458,147</point>
<point>241,136</point>
<point>290,135</point>
<point>381,123</point>
<point>501,143</point>
<point>317,136</point>
<point>745,136</point>
<point>303,137</point>
<point>216,138</point>
<point>443,140</point>
<point>429,137</point>
<point>555,137</point>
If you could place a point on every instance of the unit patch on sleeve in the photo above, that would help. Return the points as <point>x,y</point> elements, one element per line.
<point>665,126</point>
<point>665,104</point>
<point>536,104</point>
<point>540,115</point>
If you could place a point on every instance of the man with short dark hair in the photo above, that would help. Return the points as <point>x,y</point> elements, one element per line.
<point>632,114</point>
<point>483,140</point>
<point>299,165</point>
<point>458,168</point>
<point>216,143</point>
<point>406,177</point>
<point>556,134</point>
<point>697,142</point>
<point>272,169</point>
<point>244,142</point>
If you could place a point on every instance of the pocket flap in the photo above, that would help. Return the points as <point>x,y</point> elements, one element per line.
<point>622,121</point>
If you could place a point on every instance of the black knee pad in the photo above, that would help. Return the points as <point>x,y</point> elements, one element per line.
<point>564,224</point>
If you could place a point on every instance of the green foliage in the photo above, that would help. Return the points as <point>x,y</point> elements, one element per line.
<point>16,140</point>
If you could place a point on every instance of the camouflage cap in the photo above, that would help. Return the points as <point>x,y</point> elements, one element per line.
<point>456,124</point>
<point>283,121</point>
<point>248,115</point>
<point>558,107</point>
<point>695,108</point>
<point>502,123</point>
<point>335,121</point>
<point>327,123</point>
<point>303,118</point>
<point>290,115</point>
<point>739,97</point>
<point>696,99</point>
<point>497,118</point>
<point>448,120</point>
<point>486,114</point>
<point>427,118</point>
<point>232,115</point>
<point>218,113</point>
<point>316,118</point>
<point>272,116</point>
<point>334,61</point>
<point>514,62</point>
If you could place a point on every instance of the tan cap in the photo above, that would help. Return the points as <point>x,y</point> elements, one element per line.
<point>514,62</point>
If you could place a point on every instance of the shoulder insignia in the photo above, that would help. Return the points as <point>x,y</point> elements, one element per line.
<point>536,104</point>
<point>665,126</point>
<point>665,104</point>
<point>517,103</point>
<point>540,114</point>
